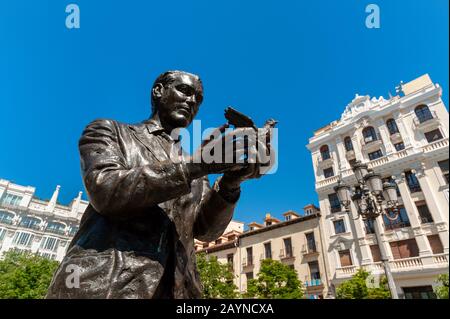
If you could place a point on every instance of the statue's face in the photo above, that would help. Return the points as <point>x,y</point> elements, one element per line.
<point>180,100</point>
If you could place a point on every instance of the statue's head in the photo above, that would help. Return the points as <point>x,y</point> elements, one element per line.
<point>176,97</point>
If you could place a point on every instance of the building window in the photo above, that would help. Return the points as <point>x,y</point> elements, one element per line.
<point>376,254</point>
<point>230,261</point>
<point>30,222</point>
<point>249,275</point>
<point>23,239</point>
<point>2,234</point>
<point>345,258</point>
<point>424,212</point>
<point>328,172</point>
<point>404,249</point>
<point>6,218</point>
<point>12,200</point>
<point>444,169</point>
<point>369,225</point>
<point>392,126</point>
<point>399,146</point>
<point>311,242</point>
<point>434,135</point>
<point>56,228</point>
<point>249,256</point>
<point>369,135</point>
<point>288,247</point>
<point>314,270</point>
<point>287,217</point>
<point>422,292</point>
<point>49,243</point>
<point>413,182</point>
<point>423,113</point>
<point>436,244</point>
<point>339,226</point>
<point>375,155</point>
<point>324,152</point>
<point>335,205</point>
<point>401,221</point>
<point>73,230</point>
<point>268,251</point>
<point>348,144</point>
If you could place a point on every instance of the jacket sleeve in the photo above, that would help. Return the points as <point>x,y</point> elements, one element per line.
<point>117,190</point>
<point>214,212</point>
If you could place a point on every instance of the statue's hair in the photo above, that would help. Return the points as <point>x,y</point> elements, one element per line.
<point>165,79</point>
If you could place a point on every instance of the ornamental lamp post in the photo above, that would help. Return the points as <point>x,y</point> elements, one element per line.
<point>372,198</point>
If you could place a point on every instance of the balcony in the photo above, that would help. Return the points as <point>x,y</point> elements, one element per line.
<point>56,231</point>
<point>247,264</point>
<point>308,251</point>
<point>313,283</point>
<point>6,221</point>
<point>396,138</point>
<point>325,162</point>
<point>392,226</point>
<point>371,143</point>
<point>350,155</point>
<point>426,120</point>
<point>287,256</point>
<point>438,262</point>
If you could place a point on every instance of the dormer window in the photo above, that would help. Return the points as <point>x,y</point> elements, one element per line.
<point>288,217</point>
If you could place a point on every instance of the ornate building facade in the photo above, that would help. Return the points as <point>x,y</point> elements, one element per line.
<point>30,224</point>
<point>405,139</point>
<point>295,241</point>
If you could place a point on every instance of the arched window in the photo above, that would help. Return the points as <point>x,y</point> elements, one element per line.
<point>348,144</point>
<point>325,152</point>
<point>369,134</point>
<point>423,113</point>
<point>392,126</point>
<point>56,228</point>
<point>6,218</point>
<point>30,222</point>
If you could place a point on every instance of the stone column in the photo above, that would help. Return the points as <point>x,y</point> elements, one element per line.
<point>385,136</point>
<point>341,159</point>
<point>402,129</point>
<point>413,215</point>
<point>436,211</point>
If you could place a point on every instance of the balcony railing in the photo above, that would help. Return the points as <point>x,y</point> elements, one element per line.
<point>313,283</point>
<point>56,231</point>
<point>307,250</point>
<point>396,225</point>
<point>371,139</point>
<point>400,265</point>
<point>6,221</point>
<point>284,254</point>
<point>247,262</point>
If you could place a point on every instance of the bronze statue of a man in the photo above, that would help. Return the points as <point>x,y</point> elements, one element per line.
<point>136,238</point>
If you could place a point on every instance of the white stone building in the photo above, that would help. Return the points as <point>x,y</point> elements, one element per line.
<point>405,138</point>
<point>30,224</point>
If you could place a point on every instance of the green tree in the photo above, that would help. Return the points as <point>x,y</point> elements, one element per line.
<point>25,275</point>
<point>217,278</point>
<point>356,288</point>
<point>442,290</point>
<point>275,281</point>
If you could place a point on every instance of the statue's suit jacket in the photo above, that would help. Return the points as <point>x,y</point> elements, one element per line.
<point>136,237</point>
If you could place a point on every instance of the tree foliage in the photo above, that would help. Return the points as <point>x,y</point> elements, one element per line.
<point>25,275</point>
<point>275,281</point>
<point>357,288</point>
<point>217,278</point>
<point>442,290</point>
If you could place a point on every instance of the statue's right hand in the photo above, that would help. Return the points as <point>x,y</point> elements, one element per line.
<point>220,153</point>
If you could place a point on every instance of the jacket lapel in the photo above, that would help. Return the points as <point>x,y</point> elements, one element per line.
<point>143,135</point>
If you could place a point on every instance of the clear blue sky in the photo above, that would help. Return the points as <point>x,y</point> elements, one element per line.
<point>300,62</point>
